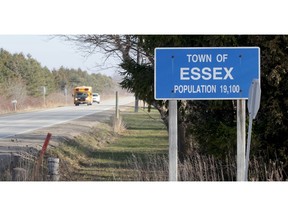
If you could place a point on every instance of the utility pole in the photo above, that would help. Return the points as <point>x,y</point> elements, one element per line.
<point>65,93</point>
<point>44,93</point>
<point>117,107</point>
<point>136,107</point>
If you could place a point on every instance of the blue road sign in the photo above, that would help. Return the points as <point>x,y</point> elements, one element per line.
<point>213,73</point>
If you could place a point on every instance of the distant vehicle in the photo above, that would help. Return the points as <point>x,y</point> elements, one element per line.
<point>83,95</point>
<point>96,98</point>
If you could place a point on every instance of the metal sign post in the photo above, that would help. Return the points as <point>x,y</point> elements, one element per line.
<point>173,137</point>
<point>241,131</point>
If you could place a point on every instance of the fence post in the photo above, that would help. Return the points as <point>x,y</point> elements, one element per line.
<point>53,169</point>
<point>14,103</point>
<point>39,161</point>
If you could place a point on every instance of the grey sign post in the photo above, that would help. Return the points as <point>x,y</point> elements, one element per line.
<point>241,131</point>
<point>173,137</point>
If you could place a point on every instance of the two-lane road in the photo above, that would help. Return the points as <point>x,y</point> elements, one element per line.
<point>25,122</point>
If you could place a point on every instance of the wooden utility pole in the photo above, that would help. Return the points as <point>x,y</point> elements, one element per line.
<point>117,106</point>
<point>44,94</point>
<point>136,107</point>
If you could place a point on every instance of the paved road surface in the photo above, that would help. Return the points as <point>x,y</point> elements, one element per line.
<point>25,122</point>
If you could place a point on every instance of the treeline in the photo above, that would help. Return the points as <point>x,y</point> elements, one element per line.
<point>209,127</point>
<point>23,76</point>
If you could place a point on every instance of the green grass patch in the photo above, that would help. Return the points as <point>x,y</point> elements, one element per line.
<point>103,155</point>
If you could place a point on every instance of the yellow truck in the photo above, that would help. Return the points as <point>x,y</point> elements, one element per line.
<point>83,95</point>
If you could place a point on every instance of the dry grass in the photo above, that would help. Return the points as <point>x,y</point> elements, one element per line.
<point>140,153</point>
<point>79,153</point>
<point>118,124</point>
<point>204,168</point>
<point>32,103</point>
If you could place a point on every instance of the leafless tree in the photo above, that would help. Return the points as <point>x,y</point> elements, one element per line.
<point>125,47</point>
<point>15,89</point>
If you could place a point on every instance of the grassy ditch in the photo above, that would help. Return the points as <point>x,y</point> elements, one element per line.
<point>136,149</point>
<point>104,154</point>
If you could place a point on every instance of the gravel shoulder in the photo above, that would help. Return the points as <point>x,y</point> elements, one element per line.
<point>35,139</point>
<point>29,144</point>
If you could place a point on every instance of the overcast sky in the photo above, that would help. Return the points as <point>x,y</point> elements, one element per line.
<point>53,52</point>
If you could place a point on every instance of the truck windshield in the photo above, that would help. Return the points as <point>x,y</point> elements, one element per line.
<point>81,94</point>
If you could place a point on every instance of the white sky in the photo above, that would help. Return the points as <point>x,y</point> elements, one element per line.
<point>53,52</point>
